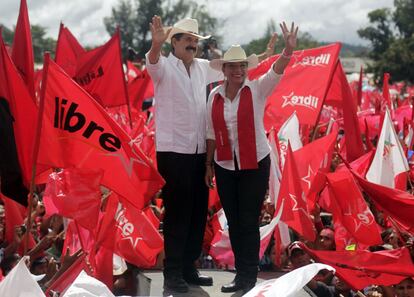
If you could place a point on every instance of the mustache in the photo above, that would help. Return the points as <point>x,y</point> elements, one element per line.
<point>191,48</point>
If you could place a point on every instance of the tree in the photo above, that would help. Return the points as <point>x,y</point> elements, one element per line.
<point>39,41</point>
<point>391,34</point>
<point>133,19</point>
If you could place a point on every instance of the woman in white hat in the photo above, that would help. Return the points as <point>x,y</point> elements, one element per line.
<point>236,139</point>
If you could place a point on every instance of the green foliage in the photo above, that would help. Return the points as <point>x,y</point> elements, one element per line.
<point>7,34</point>
<point>40,42</point>
<point>391,34</point>
<point>133,18</point>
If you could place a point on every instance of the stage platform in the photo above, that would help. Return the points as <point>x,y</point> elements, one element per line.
<point>220,277</point>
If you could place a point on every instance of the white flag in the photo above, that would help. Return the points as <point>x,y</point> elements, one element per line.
<point>289,133</point>
<point>87,286</point>
<point>20,283</point>
<point>290,284</point>
<point>389,160</point>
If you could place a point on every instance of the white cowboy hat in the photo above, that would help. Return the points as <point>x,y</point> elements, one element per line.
<point>188,26</point>
<point>234,54</point>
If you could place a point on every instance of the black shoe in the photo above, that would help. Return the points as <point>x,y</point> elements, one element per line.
<point>195,278</point>
<point>236,286</point>
<point>231,287</point>
<point>176,284</point>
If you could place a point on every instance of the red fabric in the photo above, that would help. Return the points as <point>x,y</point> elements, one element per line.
<point>22,49</point>
<point>149,213</point>
<point>76,238</point>
<point>396,203</point>
<point>74,194</point>
<point>245,130</point>
<point>68,277</point>
<point>339,88</point>
<point>102,262</point>
<point>137,240</point>
<point>68,50</point>
<point>77,132</point>
<point>359,165</point>
<point>132,72</point>
<point>364,268</point>
<point>23,110</point>
<point>386,90</point>
<point>368,137</point>
<point>100,72</point>
<point>349,207</point>
<point>223,146</point>
<point>14,215</point>
<point>314,156</point>
<point>140,88</point>
<point>303,86</point>
<point>291,198</point>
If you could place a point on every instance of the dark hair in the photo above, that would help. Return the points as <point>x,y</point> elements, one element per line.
<point>177,36</point>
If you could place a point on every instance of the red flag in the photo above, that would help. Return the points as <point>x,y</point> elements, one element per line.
<point>349,207</point>
<point>314,156</point>
<point>339,88</point>
<point>67,278</point>
<point>132,71</point>
<point>292,200</point>
<point>396,203</point>
<point>140,88</point>
<point>14,215</point>
<point>23,111</point>
<point>100,72</point>
<point>386,90</point>
<point>68,50</point>
<point>22,50</point>
<point>77,132</point>
<point>359,165</point>
<point>137,240</point>
<point>75,194</point>
<point>303,86</point>
<point>364,268</point>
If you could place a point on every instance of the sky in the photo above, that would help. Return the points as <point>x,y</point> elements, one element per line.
<point>325,20</point>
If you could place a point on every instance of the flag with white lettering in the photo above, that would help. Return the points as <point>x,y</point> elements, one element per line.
<point>303,87</point>
<point>77,132</point>
<point>349,207</point>
<point>136,238</point>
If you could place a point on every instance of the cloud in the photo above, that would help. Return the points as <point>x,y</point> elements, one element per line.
<point>325,20</point>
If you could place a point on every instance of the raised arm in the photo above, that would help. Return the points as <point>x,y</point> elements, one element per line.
<point>159,35</point>
<point>290,38</point>
<point>270,48</point>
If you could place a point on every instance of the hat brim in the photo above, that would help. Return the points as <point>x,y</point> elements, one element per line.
<point>251,60</point>
<point>178,31</point>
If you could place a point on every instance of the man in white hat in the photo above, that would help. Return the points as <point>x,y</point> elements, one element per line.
<point>180,82</point>
<point>180,106</point>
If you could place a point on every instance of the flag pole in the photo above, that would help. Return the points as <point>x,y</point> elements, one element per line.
<point>125,87</point>
<point>36,151</point>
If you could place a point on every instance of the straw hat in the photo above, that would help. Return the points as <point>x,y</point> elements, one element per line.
<point>187,26</point>
<point>235,54</point>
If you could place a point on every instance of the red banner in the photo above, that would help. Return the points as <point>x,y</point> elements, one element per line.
<point>77,132</point>
<point>68,50</point>
<point>303,87</point>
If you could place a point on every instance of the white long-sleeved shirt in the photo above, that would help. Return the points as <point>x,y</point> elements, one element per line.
<point>180,103</point>
<point>260,88</point>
